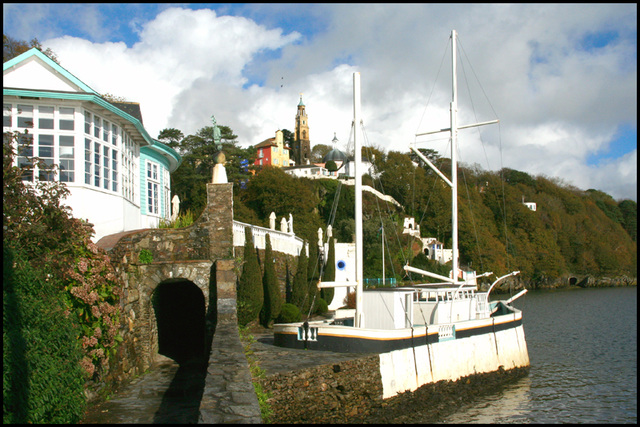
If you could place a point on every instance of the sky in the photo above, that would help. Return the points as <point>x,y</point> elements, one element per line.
<point>561,78</point>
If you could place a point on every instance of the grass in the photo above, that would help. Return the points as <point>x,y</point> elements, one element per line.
<point>256,374</point>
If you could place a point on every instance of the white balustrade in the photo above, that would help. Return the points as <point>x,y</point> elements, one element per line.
<point>280,242</point>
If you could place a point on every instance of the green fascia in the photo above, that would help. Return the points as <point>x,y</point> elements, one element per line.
<point>175,160</point>
<point>90,96</point>
<point>94,98</point>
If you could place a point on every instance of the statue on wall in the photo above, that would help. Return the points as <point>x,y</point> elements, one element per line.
<point>219,172</point>
<point>175,202</point>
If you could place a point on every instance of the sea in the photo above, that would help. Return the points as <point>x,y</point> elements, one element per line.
<point>584,362</point>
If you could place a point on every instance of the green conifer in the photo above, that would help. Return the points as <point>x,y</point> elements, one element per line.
<point>272,298</point>
<point>250,292</point>
<point>330,272</point>
<point>300,281</point>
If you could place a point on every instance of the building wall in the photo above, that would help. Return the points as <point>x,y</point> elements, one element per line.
<point>100,150</point>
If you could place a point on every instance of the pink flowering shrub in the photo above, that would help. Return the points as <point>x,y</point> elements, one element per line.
<point>36,223</point>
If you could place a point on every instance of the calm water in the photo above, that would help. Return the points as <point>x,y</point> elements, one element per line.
<point>583,351</point>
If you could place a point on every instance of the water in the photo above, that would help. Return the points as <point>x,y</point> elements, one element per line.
<point>583,351</point>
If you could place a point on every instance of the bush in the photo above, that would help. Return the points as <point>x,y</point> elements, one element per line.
<point>321,306</point>
<point>41,229</point>
<point>42,379</point>
<point>289,313</point>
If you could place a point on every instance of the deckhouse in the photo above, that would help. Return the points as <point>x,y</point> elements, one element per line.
<point>117,174</point>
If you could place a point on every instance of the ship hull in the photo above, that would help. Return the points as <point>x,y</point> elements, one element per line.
<point>412,357</point>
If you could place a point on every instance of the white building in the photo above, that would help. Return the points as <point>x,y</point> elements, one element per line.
<point>117,174</point>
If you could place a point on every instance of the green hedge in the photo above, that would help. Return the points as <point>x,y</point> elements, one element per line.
<point>42,379</point>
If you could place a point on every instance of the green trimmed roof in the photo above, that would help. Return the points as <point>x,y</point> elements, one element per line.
<point>87,94</point>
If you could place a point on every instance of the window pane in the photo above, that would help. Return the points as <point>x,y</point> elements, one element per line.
<point>6,115</point>
<point>25,116</point>
<point>66,124</point>
<point>66,118</point>
<point>87,122</point>
<point>45,123</point>
<point>114,134</point>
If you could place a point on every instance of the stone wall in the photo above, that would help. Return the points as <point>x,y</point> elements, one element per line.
<point>350,392</point>
<point>201,254</point>
<point>325,394</point>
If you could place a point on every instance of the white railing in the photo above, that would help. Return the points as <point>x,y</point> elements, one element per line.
<point>482,305</point>
<point>446,332</point>
<point>283,242</point>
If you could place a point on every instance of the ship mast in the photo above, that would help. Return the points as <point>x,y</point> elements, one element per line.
<point>453,183</point>
<point>357,143</point>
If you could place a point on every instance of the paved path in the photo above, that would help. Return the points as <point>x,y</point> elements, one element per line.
<point>220,391</point>
<point>167,394</point>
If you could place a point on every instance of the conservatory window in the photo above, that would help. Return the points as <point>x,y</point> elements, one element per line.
<point>45,117</point>
<point>6,115</point>
<point>45,152</point>
<point>66,118</point>
<point>66,151</point>
<point>153,188</point>
<point>25,116</point>
<point>25,153</point>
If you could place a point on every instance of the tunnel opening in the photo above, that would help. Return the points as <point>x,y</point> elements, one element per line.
<point>180,315</point>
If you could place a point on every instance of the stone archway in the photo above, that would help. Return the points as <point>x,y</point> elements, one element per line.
<point>180,312</point>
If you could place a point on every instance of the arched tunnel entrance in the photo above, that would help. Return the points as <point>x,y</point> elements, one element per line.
<point>180,314</point>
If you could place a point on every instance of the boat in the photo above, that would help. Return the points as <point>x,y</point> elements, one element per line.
<point>423,333</point>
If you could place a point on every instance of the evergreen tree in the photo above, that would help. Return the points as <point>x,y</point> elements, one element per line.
<point>329,272</point>
<point>300,281</point>
<point>313,272</point>
<point>272,298</point>
<point>250,292</point>
<point>288,291</point>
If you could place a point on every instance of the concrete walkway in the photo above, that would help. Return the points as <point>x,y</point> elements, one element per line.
<point>167,394</point>
<point>217,391</point>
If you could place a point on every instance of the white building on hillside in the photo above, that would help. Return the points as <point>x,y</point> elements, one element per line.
<point>117,174</point>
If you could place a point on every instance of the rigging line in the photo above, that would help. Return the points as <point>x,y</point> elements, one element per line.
<point>504,212</point>
<point>367,146</point>
<point>473,222</point>
<point>459,44</point>
<point>444,55</point>
<point>504,202</point>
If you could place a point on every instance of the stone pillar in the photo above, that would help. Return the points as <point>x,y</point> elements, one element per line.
<point>226,290</point>
<point>218,216</point>
<point>219,220</point>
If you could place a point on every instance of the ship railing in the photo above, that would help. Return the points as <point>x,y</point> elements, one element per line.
<point>446,332</point>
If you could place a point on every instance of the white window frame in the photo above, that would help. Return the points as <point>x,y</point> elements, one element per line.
<point>153,187</point>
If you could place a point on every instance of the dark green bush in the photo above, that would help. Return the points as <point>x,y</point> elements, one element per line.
<point>321,306</point>
<point>42,379</point>
<point>289,313</point>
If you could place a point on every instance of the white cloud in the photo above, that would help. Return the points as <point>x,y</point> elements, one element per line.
<point>558,101</point>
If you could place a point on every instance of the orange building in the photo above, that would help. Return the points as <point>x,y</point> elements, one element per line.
<point>272,152</point>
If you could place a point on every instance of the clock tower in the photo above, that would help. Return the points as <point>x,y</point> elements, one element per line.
<point>301,144</point>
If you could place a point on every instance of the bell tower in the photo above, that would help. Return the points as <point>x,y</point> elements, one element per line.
<point>301,144</point>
